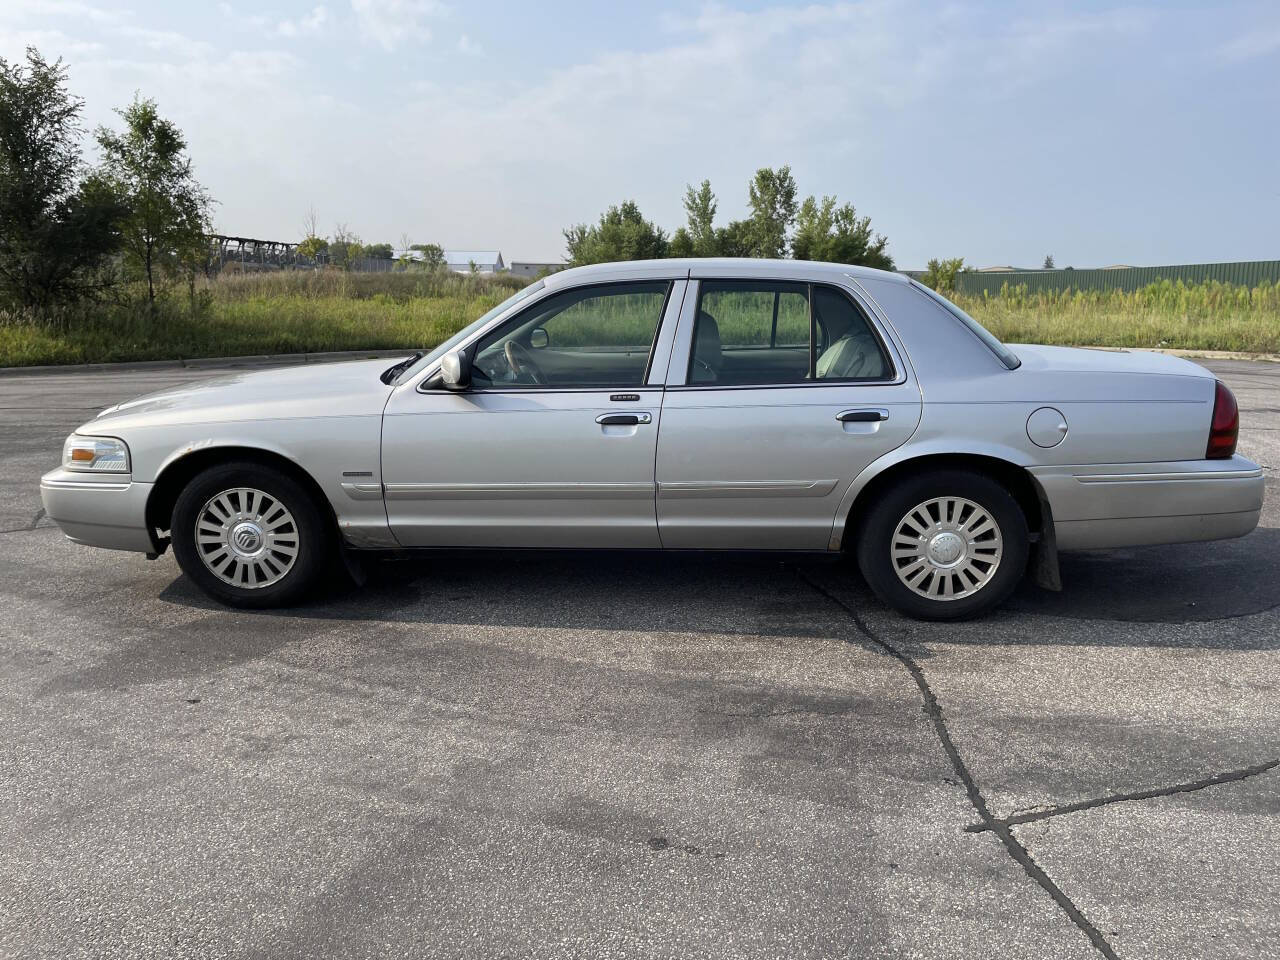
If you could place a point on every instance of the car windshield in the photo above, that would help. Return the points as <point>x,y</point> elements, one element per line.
<point>436,353</point>
<point>1007,356</point>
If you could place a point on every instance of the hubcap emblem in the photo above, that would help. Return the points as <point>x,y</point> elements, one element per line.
<point>246,539</point>
<point>946,548</point>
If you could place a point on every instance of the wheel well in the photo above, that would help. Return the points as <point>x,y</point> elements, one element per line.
<point>171,482</point>
<point>1012,477</point>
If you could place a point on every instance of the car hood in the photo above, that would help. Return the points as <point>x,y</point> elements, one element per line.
<point>1089,360</point>
<point>306,390</point>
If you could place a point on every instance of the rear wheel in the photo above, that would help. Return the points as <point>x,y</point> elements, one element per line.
<point>944,545</point>
<point>250,536</point>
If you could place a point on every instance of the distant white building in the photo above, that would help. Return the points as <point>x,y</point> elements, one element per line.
<point>486,261</point>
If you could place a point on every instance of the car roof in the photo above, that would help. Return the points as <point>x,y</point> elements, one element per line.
<point>724,267</point>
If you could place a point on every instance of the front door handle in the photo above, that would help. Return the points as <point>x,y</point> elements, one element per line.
<point>623,419</point>
<point>862,416</point>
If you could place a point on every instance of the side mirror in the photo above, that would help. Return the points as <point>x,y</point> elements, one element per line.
<point>455,370</point>
<point>539,338</point>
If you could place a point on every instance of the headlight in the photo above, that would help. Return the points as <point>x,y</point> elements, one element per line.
<point>95,454</point>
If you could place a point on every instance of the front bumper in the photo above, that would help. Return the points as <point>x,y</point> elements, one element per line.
<point>1136,504</point>
<point>99,511</point>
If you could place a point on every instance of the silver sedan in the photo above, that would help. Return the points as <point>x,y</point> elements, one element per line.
<point>678,405</point>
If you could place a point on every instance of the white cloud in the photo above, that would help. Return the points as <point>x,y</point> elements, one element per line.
<point>390,23</point>
<point>166,42</point>
<point>469,47</point>
<point>1250,46</point>
<point>312,23</point>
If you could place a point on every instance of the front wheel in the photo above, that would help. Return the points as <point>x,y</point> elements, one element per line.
<point>945,545</point>
<point>250,536</point>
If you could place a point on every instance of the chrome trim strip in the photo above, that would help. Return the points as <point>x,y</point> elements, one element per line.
<point>113,485</point>
<point>518,491</point>
<point>363,491</point>
<point>744,489</point>
<point>1166,477</point>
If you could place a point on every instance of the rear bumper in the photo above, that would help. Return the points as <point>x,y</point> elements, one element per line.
<point>98,511</point>
<point>1135,504</point>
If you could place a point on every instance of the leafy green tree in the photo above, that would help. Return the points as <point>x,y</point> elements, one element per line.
<point>345,247</point>
<point>837,234</point>
<point>941,274</point>
<point>738,239</point>
<point>700,208</point>
<point>1048,261</point>
<point>772,197</point>
<point>432,254</point>
<point>58,225</point>
<point>167,223</point>
<point>681,244</point>
<point>622,234</point>
<point>313,246</point>
<point>379,251</point>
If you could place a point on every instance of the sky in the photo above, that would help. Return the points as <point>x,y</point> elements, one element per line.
<point>998,132</point>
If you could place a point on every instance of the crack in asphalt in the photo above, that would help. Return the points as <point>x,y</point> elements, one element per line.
<point>1000,828</point>
<point>33,525</point>
<point>1233,776</point>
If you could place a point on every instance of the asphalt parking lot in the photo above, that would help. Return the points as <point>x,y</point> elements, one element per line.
<point>611,757</point>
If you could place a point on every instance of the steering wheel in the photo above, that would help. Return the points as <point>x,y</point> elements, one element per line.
<point>521,362</point>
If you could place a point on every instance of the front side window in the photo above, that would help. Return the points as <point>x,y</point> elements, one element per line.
<point>598,336</point>
<point>771,332</point>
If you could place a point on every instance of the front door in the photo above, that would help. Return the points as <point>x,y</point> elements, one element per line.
<point>553,445</point>
<point>780,393</point>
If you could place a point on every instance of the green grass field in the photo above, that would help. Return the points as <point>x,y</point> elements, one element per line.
<point>1206,316</point>
<point>309,312</point>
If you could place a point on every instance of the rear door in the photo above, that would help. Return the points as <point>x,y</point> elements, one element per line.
<point>779,394</point>
<point>554,443</point>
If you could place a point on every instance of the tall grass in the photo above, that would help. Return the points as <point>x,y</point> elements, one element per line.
<point>288,312</point>
<point>282,312</point>
<point>1202,316</point>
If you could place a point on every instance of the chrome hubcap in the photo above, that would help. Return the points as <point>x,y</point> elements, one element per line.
<point>246,538</point>
<point>946,548</point>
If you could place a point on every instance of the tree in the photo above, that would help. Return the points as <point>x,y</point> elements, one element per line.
<point>432,254</point>
<point>738,239</point>
<point>681,244</point>
<point>379,251</point>
<point>941,274</point>
<point>700,209</point>
<point>58,225</point>
<point>837,234</point>
<point>167,223</point>
<point>772,197</point>
<point>622,234</point>
<point>313,246</point>
<point>345,247</point>
<point>1048,262</point>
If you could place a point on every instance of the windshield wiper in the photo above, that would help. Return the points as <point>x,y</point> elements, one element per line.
<point>389,375</point>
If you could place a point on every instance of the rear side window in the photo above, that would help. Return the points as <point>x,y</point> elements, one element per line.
<point>780,332</point>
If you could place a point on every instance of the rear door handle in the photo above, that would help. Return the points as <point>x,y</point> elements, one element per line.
<point>623,419</point>
<point>862,416</point>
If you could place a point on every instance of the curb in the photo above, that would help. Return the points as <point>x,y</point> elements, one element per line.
<point>205,363</point>
<point>1215,354</point>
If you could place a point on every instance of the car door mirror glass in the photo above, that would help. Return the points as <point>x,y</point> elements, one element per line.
<point>455,370</point>
<point>539,339</point>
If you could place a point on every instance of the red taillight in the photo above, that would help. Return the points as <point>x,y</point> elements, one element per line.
<point>1226,425</point>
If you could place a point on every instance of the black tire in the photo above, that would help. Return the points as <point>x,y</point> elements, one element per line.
<point>880,568</point>
<point>309,536</point>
